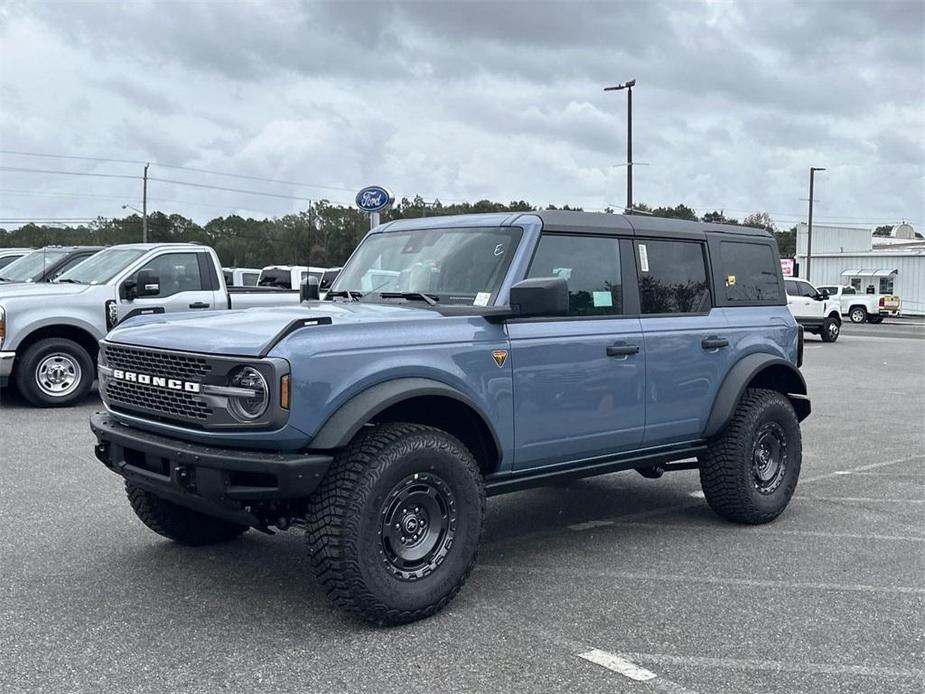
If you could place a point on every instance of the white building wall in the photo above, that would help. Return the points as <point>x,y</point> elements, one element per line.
<point>909,282</point>
<point>832,239</point>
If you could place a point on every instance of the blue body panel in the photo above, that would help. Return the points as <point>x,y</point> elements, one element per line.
<point>558,397</point>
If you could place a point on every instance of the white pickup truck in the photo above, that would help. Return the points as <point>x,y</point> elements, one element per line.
<point>861,307</point>
<point>49,332</point>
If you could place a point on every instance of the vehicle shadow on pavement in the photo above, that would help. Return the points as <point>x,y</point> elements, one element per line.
<point>10,399</point>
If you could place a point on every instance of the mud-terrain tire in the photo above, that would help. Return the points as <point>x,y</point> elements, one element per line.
<point>750,469</point>
<point>179,523</point>
<point>857,314</point>
<point>369,547</point>
<point>54,372</point>
<point>831,328</point>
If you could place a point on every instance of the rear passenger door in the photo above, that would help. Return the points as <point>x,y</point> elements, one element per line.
<point>686,341</point>
<point>579,379</point>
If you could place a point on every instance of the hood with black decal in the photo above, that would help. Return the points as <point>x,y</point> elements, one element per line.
<point>252,332</point>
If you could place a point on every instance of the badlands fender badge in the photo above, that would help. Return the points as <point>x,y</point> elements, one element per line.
<point>500,356</point>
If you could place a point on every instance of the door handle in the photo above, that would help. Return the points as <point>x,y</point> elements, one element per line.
<point>713,342</point>
<point>621,349</point>
<point>199,304</point>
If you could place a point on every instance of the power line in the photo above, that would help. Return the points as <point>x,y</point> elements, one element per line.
<point>19,169</point>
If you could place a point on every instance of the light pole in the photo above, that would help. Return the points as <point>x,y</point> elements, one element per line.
<point>628,86</point>
<point>144,233</point>
<point>809,226</point>
<point>144,207</point>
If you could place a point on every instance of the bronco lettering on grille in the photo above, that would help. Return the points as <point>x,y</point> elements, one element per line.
<point>157,381</point>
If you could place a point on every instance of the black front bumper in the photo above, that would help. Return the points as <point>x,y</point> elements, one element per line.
<point>224,482</point>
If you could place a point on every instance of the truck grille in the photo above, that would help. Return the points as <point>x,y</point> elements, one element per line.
<point>186,367</point>
<point>168,403</point>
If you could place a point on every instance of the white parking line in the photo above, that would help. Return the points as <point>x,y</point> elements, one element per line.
<point>859,500</point>
<point>861,468</point>
<point>590,525</point>
<point>618,664</point>
<point>769,530</point>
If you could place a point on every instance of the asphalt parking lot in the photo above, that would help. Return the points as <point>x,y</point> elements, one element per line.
<point>829,598</point>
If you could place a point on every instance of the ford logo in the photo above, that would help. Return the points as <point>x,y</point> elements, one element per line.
<point>374,199</point>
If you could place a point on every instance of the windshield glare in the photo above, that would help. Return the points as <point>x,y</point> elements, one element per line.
<point>455,265</point>
<point>102,267</point>
<point>30,267</point>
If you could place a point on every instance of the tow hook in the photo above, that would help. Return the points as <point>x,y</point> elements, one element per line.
<point>186,478</point>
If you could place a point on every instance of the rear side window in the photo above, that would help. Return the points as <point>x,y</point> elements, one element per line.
<point>672,277</point>
<point>748,273</point>
<point>590,265</point>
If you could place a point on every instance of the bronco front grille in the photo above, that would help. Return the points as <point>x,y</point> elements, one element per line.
<point>171,365</point>
<point>169,403</point>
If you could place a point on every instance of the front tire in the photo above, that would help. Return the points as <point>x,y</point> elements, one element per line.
<point>750,470</point>
<point>857,314</point>
<point>394,528</point>
<point>179,523</point>
<point>831,328</point>
<point>55,372</point>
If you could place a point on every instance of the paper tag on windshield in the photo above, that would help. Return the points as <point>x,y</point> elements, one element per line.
<point>482,299</point>
<point>643,258</point>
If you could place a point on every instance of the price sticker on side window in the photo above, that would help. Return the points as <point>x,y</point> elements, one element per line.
<point>643,258</point>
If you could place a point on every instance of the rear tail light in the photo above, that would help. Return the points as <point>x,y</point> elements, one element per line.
<point>882,301</point>
<point>799,346</point>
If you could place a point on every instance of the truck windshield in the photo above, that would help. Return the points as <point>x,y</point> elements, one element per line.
<point>102,267</point>
<point>451,265</point>
<point>31,267</point>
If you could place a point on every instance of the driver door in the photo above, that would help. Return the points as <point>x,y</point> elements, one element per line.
<point>183,286</point>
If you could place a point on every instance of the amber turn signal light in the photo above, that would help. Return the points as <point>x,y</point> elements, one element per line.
<point>284,392</point>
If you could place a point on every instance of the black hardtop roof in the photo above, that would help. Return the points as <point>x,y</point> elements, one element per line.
<point>601,222</point>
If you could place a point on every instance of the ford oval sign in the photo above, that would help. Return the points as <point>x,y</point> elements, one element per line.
<point>374,199</point>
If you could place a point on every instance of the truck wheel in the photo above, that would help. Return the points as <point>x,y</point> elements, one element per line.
<point>874,319</point>
<point>750,470</point>
<point>394,528</point>
<point>179,523</point>
<point>831,327</point>
<point>55,372</point>
<point>857,314</point>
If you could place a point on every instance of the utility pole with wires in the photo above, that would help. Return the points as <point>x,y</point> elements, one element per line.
<point>144,206</point>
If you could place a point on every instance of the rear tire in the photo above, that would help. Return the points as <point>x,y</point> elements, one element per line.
<point>179,523</point>
<point>55,372</point>
<point>857,314</point>
<point>831,328</point>
<point>750,470</point>
<point>874,319</point>
<point>394,528</point>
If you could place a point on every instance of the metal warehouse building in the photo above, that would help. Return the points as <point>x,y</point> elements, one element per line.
<point>892,264</point>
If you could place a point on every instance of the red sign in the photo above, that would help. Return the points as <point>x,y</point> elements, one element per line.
<point>786,266</point>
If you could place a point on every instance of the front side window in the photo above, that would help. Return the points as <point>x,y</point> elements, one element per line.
<point>457,265</point>
<point>590,265</point>
<point>847,290</point>
<point>672,277</point>
<point>177,272</point>
<point>749,273</point>
<point>6,260</point>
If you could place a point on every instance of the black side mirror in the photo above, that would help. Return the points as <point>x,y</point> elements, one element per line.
<point>824,293</point>
<point>147,283</point>
<point>540,296</point>
<point>310,290</point>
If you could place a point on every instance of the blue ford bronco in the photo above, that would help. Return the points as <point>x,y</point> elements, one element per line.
<point>456,358</point>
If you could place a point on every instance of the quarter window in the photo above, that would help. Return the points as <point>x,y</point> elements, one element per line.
<point>590,265</point>
<point>672,277</point>
<point>178,272</point>
<point>749,273</point>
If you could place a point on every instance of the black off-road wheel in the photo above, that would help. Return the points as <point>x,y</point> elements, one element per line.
<point>54,372</point>
<point>394,528</point>
<point>831,328</point>
<point>179,523</point>
<point>750,470</point>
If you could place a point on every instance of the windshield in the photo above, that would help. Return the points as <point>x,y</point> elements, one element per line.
<point>8,260</point>
<point>103,266</point>
<point>453,265</point>
<point>31,267</point>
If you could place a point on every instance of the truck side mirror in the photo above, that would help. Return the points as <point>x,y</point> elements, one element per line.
<point>146,283</point>
<point>824,293</point>
<point>310,289</point>
<point>540,296</point>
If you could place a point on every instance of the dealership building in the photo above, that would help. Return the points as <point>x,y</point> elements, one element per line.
<point>892,264</point>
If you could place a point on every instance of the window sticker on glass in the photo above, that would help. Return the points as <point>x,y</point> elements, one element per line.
<point>602,299</point>
<point>564,273</point>
<point>643,258</point>
<point>481,299</point>
<point>730,280</point>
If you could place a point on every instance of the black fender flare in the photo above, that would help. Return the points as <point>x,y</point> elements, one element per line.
<point>789,381</point>
<point>343,425</point>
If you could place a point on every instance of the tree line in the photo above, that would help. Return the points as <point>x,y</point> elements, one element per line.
<point>322,235</point>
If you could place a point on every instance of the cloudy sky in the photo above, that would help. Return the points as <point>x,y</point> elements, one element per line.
<point>464,100</point>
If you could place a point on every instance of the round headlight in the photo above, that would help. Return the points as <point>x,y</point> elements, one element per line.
<point>247,408</point>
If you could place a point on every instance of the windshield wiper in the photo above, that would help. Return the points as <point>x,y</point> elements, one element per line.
<point>430,299</point>
<point>5,279</point>
<point>347,293</point>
